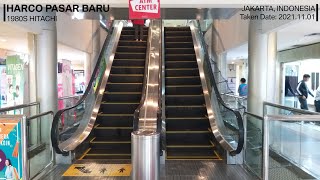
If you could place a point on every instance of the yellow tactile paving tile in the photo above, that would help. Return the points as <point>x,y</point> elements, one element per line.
<point>99,170</point>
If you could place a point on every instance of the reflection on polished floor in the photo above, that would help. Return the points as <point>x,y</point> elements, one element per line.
<point>176,170</point>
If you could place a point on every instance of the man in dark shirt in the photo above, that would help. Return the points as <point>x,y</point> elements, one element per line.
<point>303,92</point>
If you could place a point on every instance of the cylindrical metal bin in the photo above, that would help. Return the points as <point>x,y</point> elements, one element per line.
<point>145,146</point>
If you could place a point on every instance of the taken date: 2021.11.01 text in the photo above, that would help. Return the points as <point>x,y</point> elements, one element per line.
<point>280,17</point>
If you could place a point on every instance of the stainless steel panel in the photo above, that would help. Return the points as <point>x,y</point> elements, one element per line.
<point>92,109</point>
<point>215,119</point>
<point>145,155</point>
<point>148,112</point>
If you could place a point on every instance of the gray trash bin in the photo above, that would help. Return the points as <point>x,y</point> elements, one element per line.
<point>145,147</point>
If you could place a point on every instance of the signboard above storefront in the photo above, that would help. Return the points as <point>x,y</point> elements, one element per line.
<point>144,9</point>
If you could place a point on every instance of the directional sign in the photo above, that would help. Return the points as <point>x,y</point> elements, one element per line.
<point>144,9</point>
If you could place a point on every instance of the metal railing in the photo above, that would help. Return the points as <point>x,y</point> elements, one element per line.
<point>21,106</point>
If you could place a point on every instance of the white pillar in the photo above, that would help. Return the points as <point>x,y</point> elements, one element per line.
<point>261,62</point>
<point>34,125</point>
<point>47,93</point>
<point>87,68</point>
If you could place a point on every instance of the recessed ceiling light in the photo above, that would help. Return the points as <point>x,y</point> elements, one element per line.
<point>3,40</point>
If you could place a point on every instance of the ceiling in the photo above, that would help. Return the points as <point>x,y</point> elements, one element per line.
<point>16,39</point>
<point>292,36</point>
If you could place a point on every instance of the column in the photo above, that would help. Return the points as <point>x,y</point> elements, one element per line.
<point>87,68</point>
<point>261,63</point>
<point>47,93</point>
<point>34,125</point>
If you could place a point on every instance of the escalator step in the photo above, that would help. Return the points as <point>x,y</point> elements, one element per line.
<point>131,32</point>
<point>130,55</point>
<point>181,64</point>
<point>184,89</point>
<point>122,97</point>
<point>180,57</point>
<point>183,80</point>
<point>184,99</point>
<point>104,154</point>
<point>177,33</point>
<point>125,78</point>
<point>132,37</point>
<point>177,28</point>
<point>183,124</point>
<point>132,28</point>
<point>101,143</point>
<point>137,49</point>
<point>127,70</point>
<point>185,111</point>
<point>181,72</point>
<point>188,137</point>
<point>179,44</point>
<point>180,51</point>
<point>118,108</point>
<point>178,39</point>
<point>112,132</point>
<point>132,43</point>
<point>113,120</point>
<point>128,62</point>
<point>124,87</point>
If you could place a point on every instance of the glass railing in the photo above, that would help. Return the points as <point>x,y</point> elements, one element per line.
<point>71,118</point>
<point>227,121</point>
<point>253,145</point>
<point>291,142</point>
<point>40,156</point>
<point>67,134</point>
<point>283,144</point>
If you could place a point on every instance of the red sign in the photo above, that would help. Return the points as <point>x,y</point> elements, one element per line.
<point>144,9</point>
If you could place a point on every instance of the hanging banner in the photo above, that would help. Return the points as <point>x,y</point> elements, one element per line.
<point>15,82</point>
<point>144,9</point>
<point>10,148</point>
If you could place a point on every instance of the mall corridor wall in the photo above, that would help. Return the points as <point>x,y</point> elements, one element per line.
<point>306,52</point>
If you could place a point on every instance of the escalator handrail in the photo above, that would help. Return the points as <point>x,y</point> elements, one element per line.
<point>55,122</point>
<point>220,100</point>
<point>144,86</point>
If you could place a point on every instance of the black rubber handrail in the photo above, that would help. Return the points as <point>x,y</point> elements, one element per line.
<point>220,100</point>
<point>144,87</point>
<point>56,119</point>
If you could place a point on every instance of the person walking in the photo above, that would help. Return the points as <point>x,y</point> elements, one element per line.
<point>303,92</point>
<point>243,88</point>
<point>138,29</point>
<point>317,100</point>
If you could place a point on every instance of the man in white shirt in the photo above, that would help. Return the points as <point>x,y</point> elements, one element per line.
<point>317,100</point>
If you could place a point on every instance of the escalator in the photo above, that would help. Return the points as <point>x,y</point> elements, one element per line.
<point>114,124</point>
<point>110,103</point>
<point>188,131</point>
<point>199,124</point>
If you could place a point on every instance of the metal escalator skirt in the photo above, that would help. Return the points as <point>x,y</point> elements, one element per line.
<point>93,103</point>
<point>214,116</point>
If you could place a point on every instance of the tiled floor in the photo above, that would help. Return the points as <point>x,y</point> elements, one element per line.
<point>176,170</point>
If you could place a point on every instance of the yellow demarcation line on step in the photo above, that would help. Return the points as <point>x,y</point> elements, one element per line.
<point>84,154</point>
<point>94,169</point>
<point>219,158</point>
